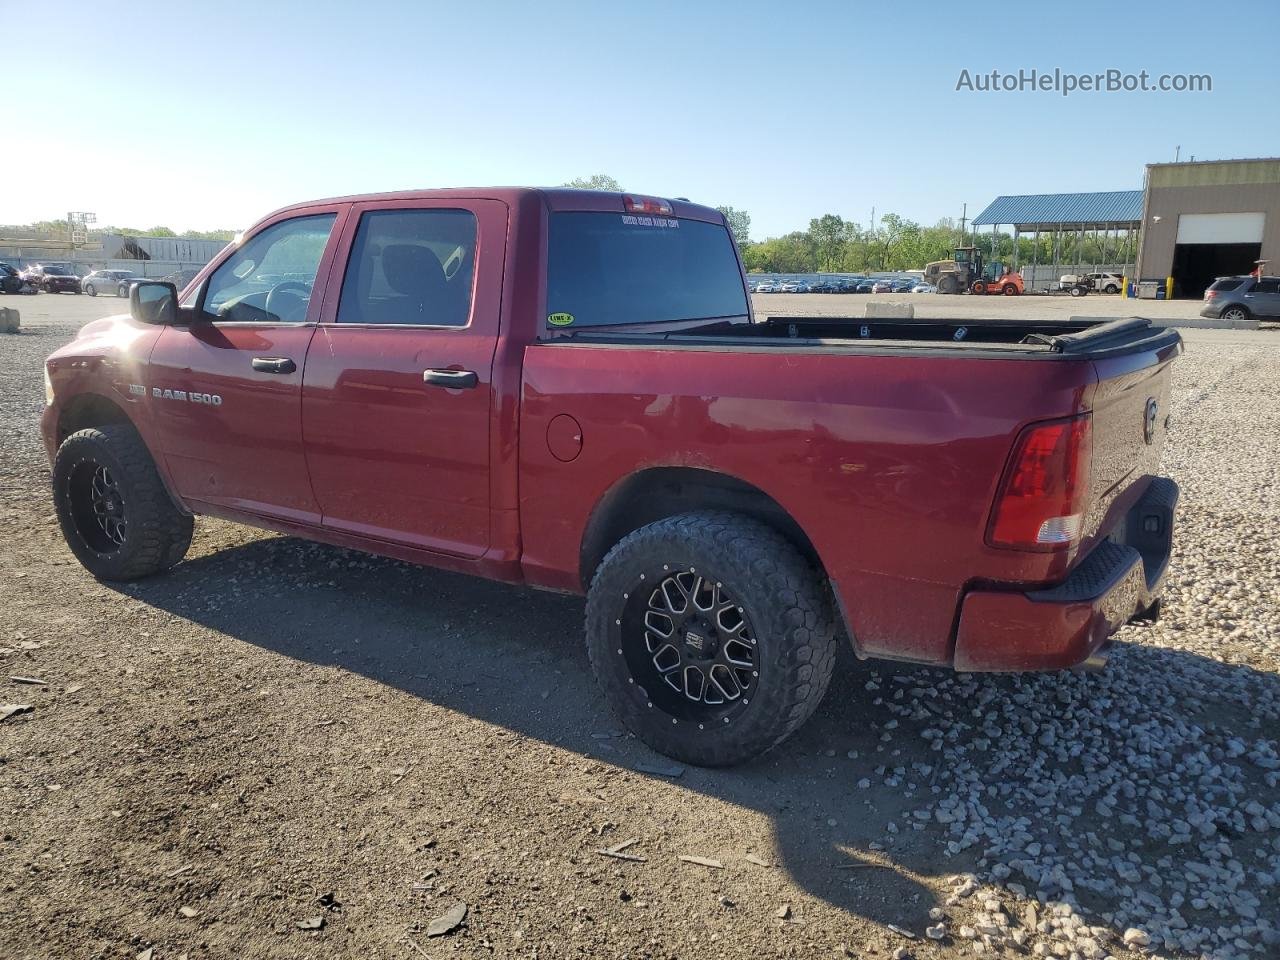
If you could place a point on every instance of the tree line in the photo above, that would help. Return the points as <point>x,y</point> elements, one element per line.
<point>832,244</point>
<point>57,230</point>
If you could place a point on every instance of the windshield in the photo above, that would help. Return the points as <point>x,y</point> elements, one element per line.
<point>610,268</point>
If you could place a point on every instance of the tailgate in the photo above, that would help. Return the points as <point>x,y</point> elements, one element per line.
<point>1130,423</point>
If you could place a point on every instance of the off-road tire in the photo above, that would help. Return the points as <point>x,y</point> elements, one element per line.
<point>1009,289</point>
<point>156,532</point>
<point>948,284</point>
<point>780,594</point>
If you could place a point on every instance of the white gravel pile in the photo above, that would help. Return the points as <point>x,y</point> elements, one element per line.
<point>1136,810</point>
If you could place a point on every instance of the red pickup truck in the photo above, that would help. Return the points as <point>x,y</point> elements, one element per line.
<point>569,389</point>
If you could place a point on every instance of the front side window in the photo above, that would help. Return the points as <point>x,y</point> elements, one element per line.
<point>269,278</point>
<point>411,267</point>
<point>609,268</point>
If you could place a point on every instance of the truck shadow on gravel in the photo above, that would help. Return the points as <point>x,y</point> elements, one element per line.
<point>515,658</point>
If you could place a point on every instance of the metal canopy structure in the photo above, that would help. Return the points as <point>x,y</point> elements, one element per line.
<point>1101,226</point>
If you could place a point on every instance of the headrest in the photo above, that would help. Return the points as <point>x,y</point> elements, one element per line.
<point>412,270</point>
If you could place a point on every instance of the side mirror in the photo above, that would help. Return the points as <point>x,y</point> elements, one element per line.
<point>154,301</point>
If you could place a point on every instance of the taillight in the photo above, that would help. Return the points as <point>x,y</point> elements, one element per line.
<point>646,205</point>
<point>1210,294</point>
<point>1045,493</point>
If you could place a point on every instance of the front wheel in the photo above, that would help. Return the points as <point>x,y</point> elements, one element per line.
<point>979,287</point>
<point>712,637</point>
<point>1009,289</point>
<point>91,290</point>
<point>1110,288</point>
<point>122,290</point>
<point>115,513</point>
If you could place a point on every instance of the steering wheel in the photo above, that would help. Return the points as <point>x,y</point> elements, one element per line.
<point>278,300</point>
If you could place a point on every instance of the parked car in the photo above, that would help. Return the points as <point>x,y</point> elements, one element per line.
<point>114,281</point>
<point>1243,298</point>
<point>865,286</point>
<point>723,549</point>
<point>882,286</point>
<point>1100,282</point>
<point>822,286</point>
<point>793,286</point>
<point>10,279</point>
<point>904,285</point>
<point>53,278</point>
<point>923,287</point>
<point>767,286</point>
<point>849,284</point>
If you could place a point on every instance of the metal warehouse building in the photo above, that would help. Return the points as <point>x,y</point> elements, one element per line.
<point>1207,219</point>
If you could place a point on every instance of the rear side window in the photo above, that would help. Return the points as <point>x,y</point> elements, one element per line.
<point>1231,283</point>
<point>611,268</point>
<point>411,267</point>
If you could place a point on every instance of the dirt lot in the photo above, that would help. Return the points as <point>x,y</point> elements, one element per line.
<point>278,733</point>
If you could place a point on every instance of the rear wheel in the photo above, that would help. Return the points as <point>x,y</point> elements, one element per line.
<point>1235,314</point>
<point>1077,290</point>
<point>711,636</point>
<point>115,513</point>
<point>122,290</point>
<point>1111,288</point>
<point>947,284</point>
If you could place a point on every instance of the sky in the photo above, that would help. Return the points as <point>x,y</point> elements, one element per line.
<point>202,116</point>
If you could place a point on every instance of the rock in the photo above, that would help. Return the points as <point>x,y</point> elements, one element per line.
<point>13,709</point>
<point>1133,937</point>
<point>902,953</point>
<point>936,932</point>
<point>311,923</point>
<point>189,912</point>
<point>784,912</point>
<point>448,921</point>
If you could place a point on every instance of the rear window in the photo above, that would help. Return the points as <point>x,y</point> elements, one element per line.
<point>612,268</point>
<point>1231,283</point>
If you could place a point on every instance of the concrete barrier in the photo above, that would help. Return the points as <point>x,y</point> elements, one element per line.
<point>880,310</point>
<point>10,320</point>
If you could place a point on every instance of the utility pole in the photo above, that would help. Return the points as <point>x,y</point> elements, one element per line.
<point>1177,152</point>
<point>964,218</point>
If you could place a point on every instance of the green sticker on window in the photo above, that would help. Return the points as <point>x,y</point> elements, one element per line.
<point>560,319</point>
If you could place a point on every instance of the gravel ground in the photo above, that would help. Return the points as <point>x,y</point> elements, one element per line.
<point>281,750</point>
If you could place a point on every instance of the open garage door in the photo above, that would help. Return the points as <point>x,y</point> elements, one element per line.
<point>1212,245</point>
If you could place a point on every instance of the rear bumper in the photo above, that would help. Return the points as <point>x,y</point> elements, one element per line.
<point>1120,580</point>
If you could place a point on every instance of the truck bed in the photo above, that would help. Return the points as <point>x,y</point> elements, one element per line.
<point>1083,339</point>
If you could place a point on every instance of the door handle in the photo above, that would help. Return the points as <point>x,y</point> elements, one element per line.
<point>274,365</point>
<point>454,379</point>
